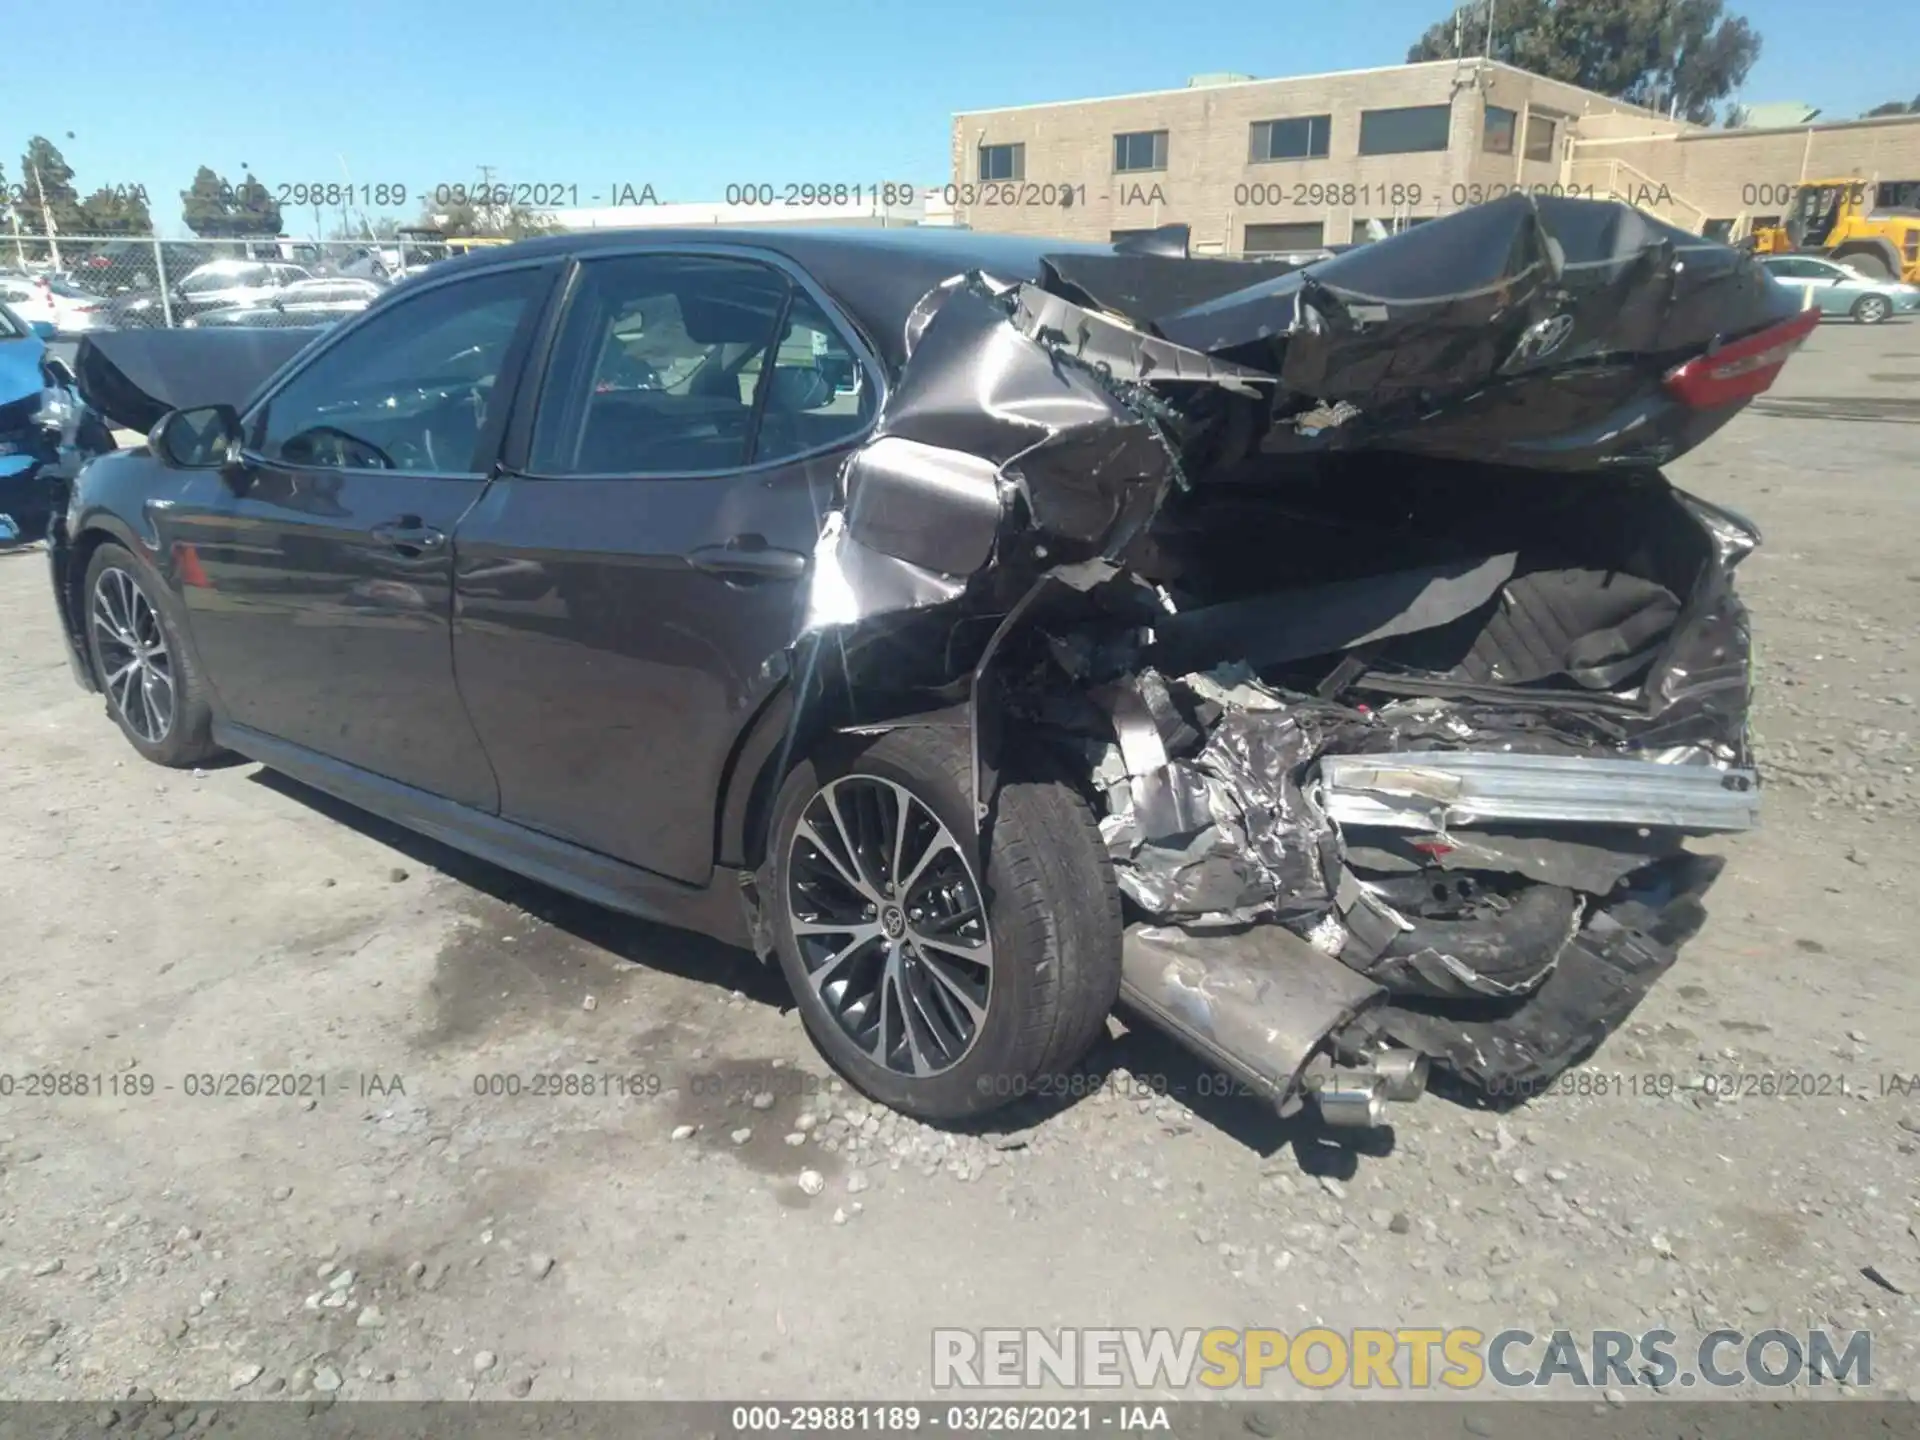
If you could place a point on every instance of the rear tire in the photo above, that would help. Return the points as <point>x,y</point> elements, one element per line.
<point>1021,970</point>
<point>154,691</point>
<point>1871,309</point>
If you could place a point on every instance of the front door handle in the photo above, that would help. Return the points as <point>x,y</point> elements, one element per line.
<point>749,557</point>
<point>409,536</point>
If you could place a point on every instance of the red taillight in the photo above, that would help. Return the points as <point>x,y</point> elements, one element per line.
<point>1743,369</point>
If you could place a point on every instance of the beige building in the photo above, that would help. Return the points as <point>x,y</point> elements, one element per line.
<point>1268,165</point>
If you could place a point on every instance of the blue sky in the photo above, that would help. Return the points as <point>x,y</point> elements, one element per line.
<point>693,95</point>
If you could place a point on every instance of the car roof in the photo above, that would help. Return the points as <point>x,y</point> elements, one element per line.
<point>875,274</point>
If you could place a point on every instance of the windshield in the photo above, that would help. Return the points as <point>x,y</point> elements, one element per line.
<point>12,327</point>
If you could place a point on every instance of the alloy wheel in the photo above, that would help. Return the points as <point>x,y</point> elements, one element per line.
<point>134,663</point>
<point>1873,310</point>
<point>888,918</point>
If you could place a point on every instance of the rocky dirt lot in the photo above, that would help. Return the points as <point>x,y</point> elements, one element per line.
<point>736,1224</point>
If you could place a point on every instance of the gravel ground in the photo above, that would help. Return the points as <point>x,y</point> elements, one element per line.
<point>736,1224</point>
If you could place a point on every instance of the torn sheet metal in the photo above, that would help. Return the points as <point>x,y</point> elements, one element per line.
<point>989,450</point>
<point>1222,835</point>
<point>1434,791</point>
<point>1119,350</point>
<point>1258,1003</point>
<point>1593,863</point>
<point>1607,969</point>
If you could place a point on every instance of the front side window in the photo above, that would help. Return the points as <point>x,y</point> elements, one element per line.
<point>1140,150</point>
<point>1003,162</point>
<point>409,390</point>
<point>1304,137</point>
<point>658,367</point>
<point>1409,130</point>
<point>1496,131</point>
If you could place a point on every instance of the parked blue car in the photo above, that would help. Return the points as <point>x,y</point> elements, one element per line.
<point>46,431</point>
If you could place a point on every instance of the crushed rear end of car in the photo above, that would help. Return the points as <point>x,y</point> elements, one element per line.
<point>1353,599</point>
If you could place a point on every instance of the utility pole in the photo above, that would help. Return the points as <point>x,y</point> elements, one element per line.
<point>486,209</point>
<point>46,216</point>
<point>1489,50</point>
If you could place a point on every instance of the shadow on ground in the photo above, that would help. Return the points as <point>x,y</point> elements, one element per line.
<point>639,942</point>
<point>1152,1063</point>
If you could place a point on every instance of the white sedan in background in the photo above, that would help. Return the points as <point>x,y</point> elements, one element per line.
<point>59,302</point>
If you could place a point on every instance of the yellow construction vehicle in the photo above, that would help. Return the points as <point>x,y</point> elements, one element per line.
<point>1874,227</point>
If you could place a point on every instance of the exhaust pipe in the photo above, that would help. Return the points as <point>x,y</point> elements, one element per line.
<point>1403,1074</point>
<point>1358,1098</point>
<point>1352,1103</point>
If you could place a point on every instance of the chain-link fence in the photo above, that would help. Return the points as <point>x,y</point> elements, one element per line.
<point>85,283</point>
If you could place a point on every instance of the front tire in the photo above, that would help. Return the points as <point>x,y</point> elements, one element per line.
<point>937,984</point>
<point>154,691</point>
<point>1871,309</point>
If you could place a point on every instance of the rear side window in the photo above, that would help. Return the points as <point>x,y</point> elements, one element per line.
<point>819,393</point>
<point>658,367</point>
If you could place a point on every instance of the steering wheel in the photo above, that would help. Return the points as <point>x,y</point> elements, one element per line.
<point>348,451</point>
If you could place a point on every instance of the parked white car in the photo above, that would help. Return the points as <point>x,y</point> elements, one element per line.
<point>59,302</point>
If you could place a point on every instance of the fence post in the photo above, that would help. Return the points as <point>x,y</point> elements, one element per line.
<point>160,279</point>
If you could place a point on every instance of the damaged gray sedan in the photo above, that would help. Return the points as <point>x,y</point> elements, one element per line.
<point>990,631</point>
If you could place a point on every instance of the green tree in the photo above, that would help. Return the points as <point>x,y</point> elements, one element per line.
<point>1678,56</point>
<point>206,206</point>
<point>482,222</point>
<point>1894,107</point>
<point>46,182</point>
<point>214,209</point>
<point>118,211</point>
<point>258,213</point>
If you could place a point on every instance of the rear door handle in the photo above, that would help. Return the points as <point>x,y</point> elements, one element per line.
<point>749,557</point>
<point>409,536</point>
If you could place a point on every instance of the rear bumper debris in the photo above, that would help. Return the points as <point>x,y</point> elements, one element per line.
<point>1437,792</point>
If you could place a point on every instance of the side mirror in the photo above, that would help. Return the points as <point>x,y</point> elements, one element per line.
<point>206,438</point>
<point>43,328</point>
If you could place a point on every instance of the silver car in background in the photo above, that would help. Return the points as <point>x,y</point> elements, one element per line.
<point>303,303</point>
<point>1836,289</point>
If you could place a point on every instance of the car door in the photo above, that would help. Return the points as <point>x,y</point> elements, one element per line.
<point>1811,278</point>
<point>628,587</point>
<point>317,574</point>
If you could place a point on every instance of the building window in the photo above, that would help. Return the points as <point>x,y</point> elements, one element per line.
<point>1496,132</point>
<point>1540,131</point>
<point>1392,224</point>
<point>1717,230</point>
<point>1302,138</point>
<point>1141,150</point>
<point>1406,131</point>
<point>1003,162</point>
<point>1272,239</point>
